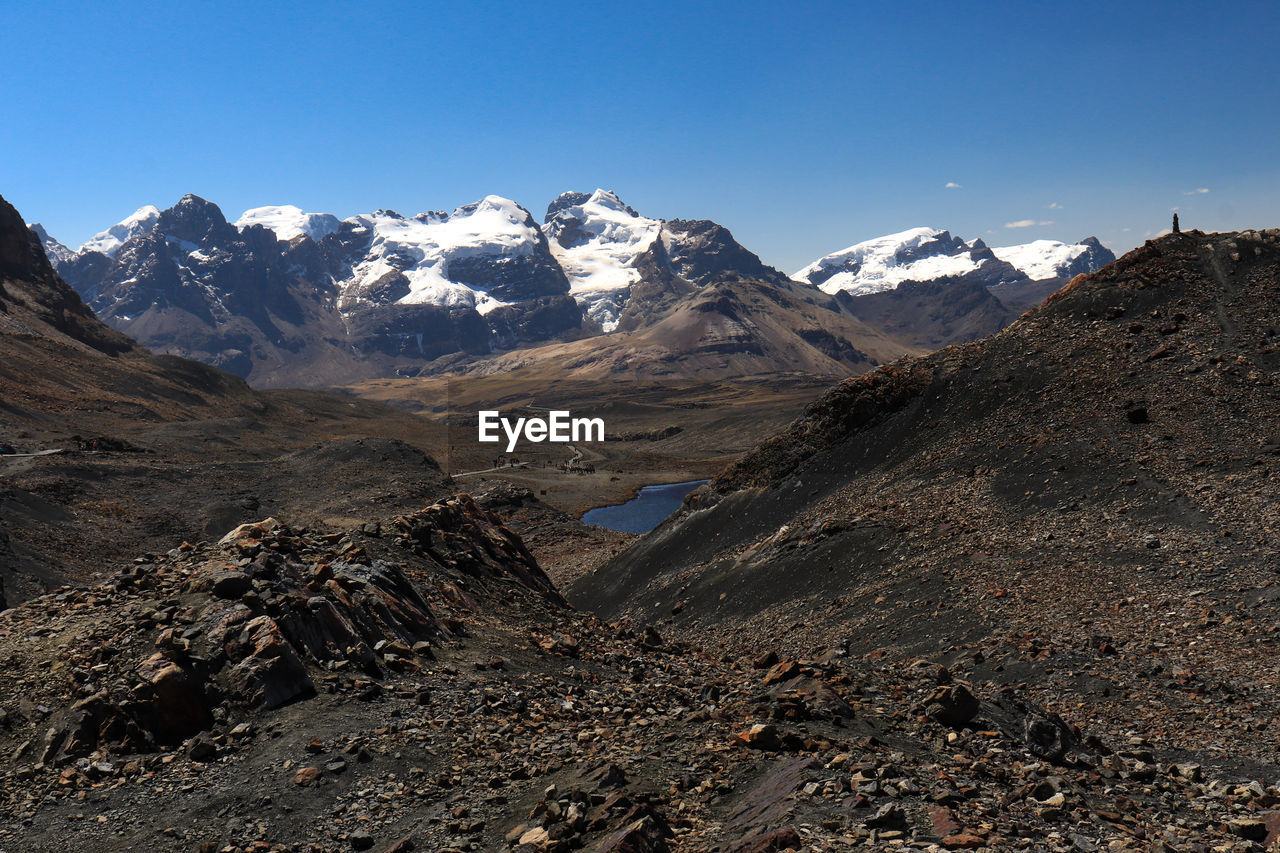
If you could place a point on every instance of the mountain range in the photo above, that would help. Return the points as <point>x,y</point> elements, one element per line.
<point>286,297</point>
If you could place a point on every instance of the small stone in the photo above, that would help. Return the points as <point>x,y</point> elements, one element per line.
<point>535,837</point>
<point>308,776</point>
<point>760,736</point>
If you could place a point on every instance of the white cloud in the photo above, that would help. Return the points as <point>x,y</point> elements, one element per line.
<point>1053,205</point>
<point>952,185</point>
<point>1026,223</point>
<point>1200,191</point>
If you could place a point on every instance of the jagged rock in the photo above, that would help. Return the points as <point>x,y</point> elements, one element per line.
<point>252,532</point>
<point>201,748</point>
<point>644,830</point>
<point>308,776</point>
<point>178,708</point>
<point>476,542</point>
<point>266,672</point>
<point>889,816</point>
<point>953,705</point>
<point>1045,734</point>
<point>230,584</point>
<point>760,736</point>
<point>772,841</point>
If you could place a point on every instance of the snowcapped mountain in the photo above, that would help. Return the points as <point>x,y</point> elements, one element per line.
<point>483,256</point>
<point>598,240</point>
<point>927,254</point>
<point>109,242</point>
<point>929,288</point>
<point>289,222</point>
<point>289,297</point>
<point>1044,259</point>
<point>625,269</point>
<point>919,254</point>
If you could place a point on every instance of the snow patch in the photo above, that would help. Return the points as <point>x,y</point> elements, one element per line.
<point>141,221</point>
<point>885,262</point>
<point>422,248</point>
<point>288,222</point>
<point>1041,259</point>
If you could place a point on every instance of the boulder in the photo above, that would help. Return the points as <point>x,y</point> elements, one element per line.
<point>953,705</point>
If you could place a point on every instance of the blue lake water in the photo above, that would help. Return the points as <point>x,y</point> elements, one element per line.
<point>645,511</point>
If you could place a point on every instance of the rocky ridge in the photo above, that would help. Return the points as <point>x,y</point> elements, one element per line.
<point>1077,508</point>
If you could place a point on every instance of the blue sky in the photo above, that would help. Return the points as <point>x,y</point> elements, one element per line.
<point>802,128</point>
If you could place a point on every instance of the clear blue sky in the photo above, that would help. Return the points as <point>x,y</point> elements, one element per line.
<point>802,127</point>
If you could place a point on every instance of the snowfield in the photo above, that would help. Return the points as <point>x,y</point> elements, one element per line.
<point>289,222</point>
<point>876,265</point>
<point>1041,259</point>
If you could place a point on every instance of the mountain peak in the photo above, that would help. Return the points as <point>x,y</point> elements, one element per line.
<point>195,220</point>
<point>565,201</point>
<point>609,199</point>
<point>107,242</point>
<point>58,253</point>
<point>598,240</point>
<point>926,254</point>
<point>500,205</point>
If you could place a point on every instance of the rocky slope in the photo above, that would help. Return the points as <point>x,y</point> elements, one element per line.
<point>732,328</point>
<point>419,685</point>
<point>1078,507</point>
